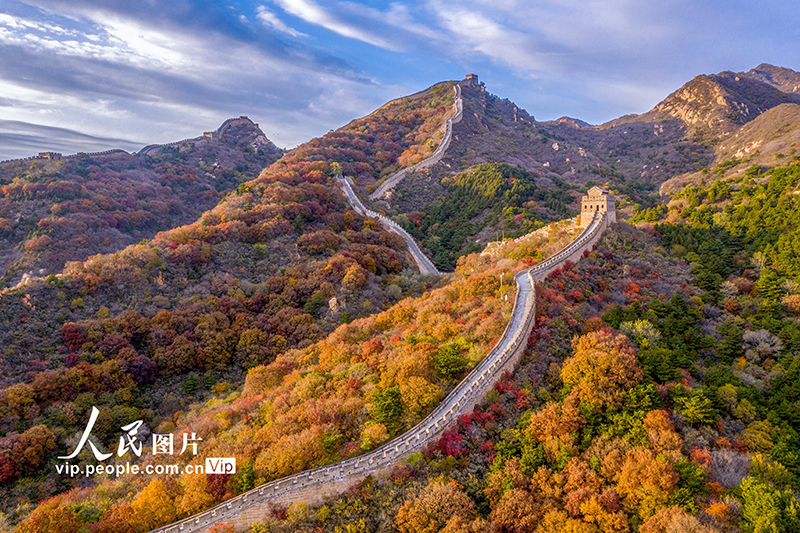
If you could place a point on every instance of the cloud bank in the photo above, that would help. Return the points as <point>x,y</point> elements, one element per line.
<point>158,71</point>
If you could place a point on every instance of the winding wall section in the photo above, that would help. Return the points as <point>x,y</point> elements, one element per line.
<point>395,178</point>
<point>311,485</point>
<point>425,265</point>
<point>72,156</point>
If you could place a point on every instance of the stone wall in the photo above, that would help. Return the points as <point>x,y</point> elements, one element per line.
<point>312,485</point>
<point>82,154</point>
<point>495,248</point>
<point>205,137</point>
<point>424,264</point>
<point>395,178</point>
<point>150,147</point>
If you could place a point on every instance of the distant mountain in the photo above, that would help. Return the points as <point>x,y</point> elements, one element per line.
<point>694,127</point>
<point>752,119</point>
<point>233,303</point>
<point>574,122</point>
<point>785,79</point>
<point>719,104</point>
<point>55,209</point>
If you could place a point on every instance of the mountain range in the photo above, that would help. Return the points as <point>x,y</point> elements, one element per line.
<point>221,286</point>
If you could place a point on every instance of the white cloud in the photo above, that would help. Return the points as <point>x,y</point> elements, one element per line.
<point>398,18</point>
<point>476,32</point>
<point>109,75</point>
<point>557,37</point>
<point>118,41</point>
<point>145,46</point>
<point>316,14</point>
<point>270,19</point>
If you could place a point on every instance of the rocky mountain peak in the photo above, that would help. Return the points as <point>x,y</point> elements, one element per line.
<point>721,103</point>
<point>784,79</point>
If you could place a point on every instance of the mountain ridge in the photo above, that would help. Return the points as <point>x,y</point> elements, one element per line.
<point>55,208</point>
<point>290,330</point>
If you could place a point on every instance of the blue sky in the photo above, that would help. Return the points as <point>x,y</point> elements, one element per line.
<point>83,75</point>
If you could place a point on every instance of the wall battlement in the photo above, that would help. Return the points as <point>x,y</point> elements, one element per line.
<point>244,510</point>
<point>599,200</point>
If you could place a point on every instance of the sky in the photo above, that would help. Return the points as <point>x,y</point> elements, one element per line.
<point>89,75</point>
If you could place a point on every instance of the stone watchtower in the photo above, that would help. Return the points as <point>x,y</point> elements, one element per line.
<point>471,80</point>
<point>597,199</point>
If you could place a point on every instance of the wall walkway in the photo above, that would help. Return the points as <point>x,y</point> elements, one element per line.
<point>425,265</point>
<point>312,485</point>
<point>395,178</point>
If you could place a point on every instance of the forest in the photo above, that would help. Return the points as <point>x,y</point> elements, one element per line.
<point>147,332</point>
<point>493,195</point>
<point>363,384</point>
<point>55,211</point>
<point>646,402</point>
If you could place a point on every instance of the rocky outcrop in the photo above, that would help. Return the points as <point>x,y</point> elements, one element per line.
<point>240,130</point>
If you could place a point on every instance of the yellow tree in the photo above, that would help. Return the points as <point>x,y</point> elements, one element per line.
<point>601,370</point>
<point>154,506</point>
<point>645,481</point>
<point>437,504</point>
<point>556,427</point>
<point>195,494</point>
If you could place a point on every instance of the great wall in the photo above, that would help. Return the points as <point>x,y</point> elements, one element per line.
<point>312,485</point>
<point>202,138</point>
<point>54,156</point>
<point>425,265</point>
<point>395,178</point>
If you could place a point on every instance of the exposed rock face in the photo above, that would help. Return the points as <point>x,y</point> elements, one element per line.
<point>781,78</point>
<point>719,104</point>
<point>723,102</point>
<point>243,131</point>
<point>701,102</point>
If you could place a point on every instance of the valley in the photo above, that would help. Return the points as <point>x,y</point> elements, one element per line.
<point>332,317</point>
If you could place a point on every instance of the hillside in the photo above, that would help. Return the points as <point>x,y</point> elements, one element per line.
<point>729,120</point>
<point>646,403</point>
<point>365,383</point>
<point>143,332</point>
<point>481,203</point>
<point>494,137</point>
<point>65,209</point>
<point>658,391</point>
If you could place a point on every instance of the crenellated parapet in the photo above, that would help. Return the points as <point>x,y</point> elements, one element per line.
<point>597,200</point>
<point>312,485</point>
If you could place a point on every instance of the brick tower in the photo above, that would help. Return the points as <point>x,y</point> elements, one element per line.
<point>597,199</point>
